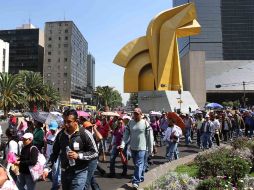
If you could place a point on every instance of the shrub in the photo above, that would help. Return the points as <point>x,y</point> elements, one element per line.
<point>174,181</point>
<point>214,184</point>
<point>240,143</point>
<point>222,163</point>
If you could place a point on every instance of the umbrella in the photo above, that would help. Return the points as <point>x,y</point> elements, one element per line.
<point>154,113</point>
<point>46,117</point>
<point>214,106</point>
<point>56,113</point>
<point>177,118</point>
<point>83,114</point>
<point>109,113</point>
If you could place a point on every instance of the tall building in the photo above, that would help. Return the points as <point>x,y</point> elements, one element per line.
<point>26,48</point>
<point>4,56</point>
<point>227,41</point>
<point>65,65</point>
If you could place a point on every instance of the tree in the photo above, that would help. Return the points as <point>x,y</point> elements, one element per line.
<point>108,97</point>
<point>9,92</point>
<point>32,84</point>
<point>50,97</point>
<point>133,100</point>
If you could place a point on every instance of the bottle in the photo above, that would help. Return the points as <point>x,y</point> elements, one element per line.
<point>71,161</point>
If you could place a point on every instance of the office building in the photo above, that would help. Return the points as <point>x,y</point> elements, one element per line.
<point>26,48</point>
<point>4,56</point>
<point>65,65</point>
<point>91,71</point>
<point>227,41</point>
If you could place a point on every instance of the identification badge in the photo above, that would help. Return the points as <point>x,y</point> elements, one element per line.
<point>76,146</point>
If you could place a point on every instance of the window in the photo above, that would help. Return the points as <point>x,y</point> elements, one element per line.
<point>59,75</point>
<point>58,66</point>
<point>65,59</point>
<point>50,38</point>
<point>49,53</point>
<point>49,67</point>
<point>60,24</point>
<point>49,45</point>
<point>65,74</point>
<point>66,38</point>
<point>59,45</point>
<point>65,45</point>
<point>50,31</point>
<point>66,24</point>
<point>66,31</point>
<point>59,38</point>
<point>64,89</point>
<point>59,60</point>
<point>64,81</point>
<point>48,74</point>
<point>49,60</point>
<point>59,31</point>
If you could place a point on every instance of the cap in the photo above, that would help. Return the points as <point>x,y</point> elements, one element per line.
<point>127,117</point>
<point>53,125</point>
<point>207,116</point>
<point>87,124</point>
<point>137,110</point>
<point>28,136</point>
<point>229,115</point>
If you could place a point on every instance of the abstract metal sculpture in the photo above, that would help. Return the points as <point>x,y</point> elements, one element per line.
<point>152,61</point>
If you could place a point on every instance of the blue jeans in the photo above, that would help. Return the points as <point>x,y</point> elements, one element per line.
<point>114,154</point>
<point>138,160</point>
<point>25,180</point>
<point>146,165</point>
<point>172,151</point>
<point>187,136</point>
<point>56,175</point>
<point>90,176</point>
<point>74,179</point>
<point>207,140</point>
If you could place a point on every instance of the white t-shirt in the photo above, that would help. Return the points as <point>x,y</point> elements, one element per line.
<point>175,129</point>
<point>216,124</point>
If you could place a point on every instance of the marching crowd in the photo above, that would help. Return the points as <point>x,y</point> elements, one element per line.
<point>68,153</point>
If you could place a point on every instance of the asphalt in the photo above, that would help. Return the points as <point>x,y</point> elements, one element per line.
<point>106,183</point>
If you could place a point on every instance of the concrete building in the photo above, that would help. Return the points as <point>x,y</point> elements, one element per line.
<point>226,39</point>
<point>26,46</point>
<point>4,56</point>
<point>65,65</point>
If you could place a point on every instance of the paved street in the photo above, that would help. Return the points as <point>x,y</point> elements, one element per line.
<point>113,183</point>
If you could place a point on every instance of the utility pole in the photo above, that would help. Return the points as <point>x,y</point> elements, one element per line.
<point>244,98</point>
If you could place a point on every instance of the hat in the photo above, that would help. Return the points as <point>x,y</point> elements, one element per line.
<point>28,136</point>
<point>127,117</point>
<point>207,116</point>
<point>138,110</point>
<point>53,125</point>
<point>229,115</point>
<point>87,124</point>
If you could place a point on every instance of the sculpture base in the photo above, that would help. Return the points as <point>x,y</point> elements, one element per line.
<point>168,101</point>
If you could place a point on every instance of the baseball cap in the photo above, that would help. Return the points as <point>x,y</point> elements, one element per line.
<point>137,110</point>
<point>53,125</point>
<point>28,136</point>
<point>87,124</point>
<point>207,116</point>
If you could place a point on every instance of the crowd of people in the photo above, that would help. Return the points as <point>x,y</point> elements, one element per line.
<point>72,149</point>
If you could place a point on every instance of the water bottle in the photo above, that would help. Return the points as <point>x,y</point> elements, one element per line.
<point>71,161</point>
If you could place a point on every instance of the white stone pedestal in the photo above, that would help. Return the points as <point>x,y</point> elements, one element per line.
<point>166,100</point>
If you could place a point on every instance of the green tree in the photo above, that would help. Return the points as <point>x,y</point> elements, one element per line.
<point>50,97</point>
<point>108,97</point>
<point>133,100</point>
<point>9,92</point>
<point>32,84</point>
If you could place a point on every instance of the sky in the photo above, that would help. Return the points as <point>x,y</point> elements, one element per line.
<point>106,25</point>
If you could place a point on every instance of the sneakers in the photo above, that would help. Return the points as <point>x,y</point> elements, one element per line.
<point>135,186</point>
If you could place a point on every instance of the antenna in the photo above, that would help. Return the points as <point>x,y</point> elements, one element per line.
<point>29,22</point>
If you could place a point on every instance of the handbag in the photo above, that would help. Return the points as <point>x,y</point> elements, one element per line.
<point>37,170</point>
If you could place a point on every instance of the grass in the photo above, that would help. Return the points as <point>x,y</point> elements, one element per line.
<point>191,169</point>
<point>252,174</point>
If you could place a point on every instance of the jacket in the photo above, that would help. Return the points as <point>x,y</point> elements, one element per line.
<point>85,146</point>
<point>28,157</point>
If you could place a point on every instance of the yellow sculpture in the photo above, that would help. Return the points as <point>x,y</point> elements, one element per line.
<point>152,61</point>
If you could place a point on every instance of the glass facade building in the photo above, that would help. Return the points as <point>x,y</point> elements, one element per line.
<point>227,29</point>
<point>26,49</point>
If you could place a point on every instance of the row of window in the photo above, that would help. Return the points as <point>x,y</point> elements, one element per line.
<point>60,31</point>
<point>59,45</point>
<point>58,67</point>
<point>59,38</point>
<point>59,74</point>
<point>59,60</point>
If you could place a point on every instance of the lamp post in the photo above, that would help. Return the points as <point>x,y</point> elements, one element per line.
<point>180,98</point>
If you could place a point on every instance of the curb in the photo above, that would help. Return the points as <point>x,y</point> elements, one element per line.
<point>159,171</point>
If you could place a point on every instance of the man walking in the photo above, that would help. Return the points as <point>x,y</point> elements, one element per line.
<point>76,147</point>
<point>141,140</point>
